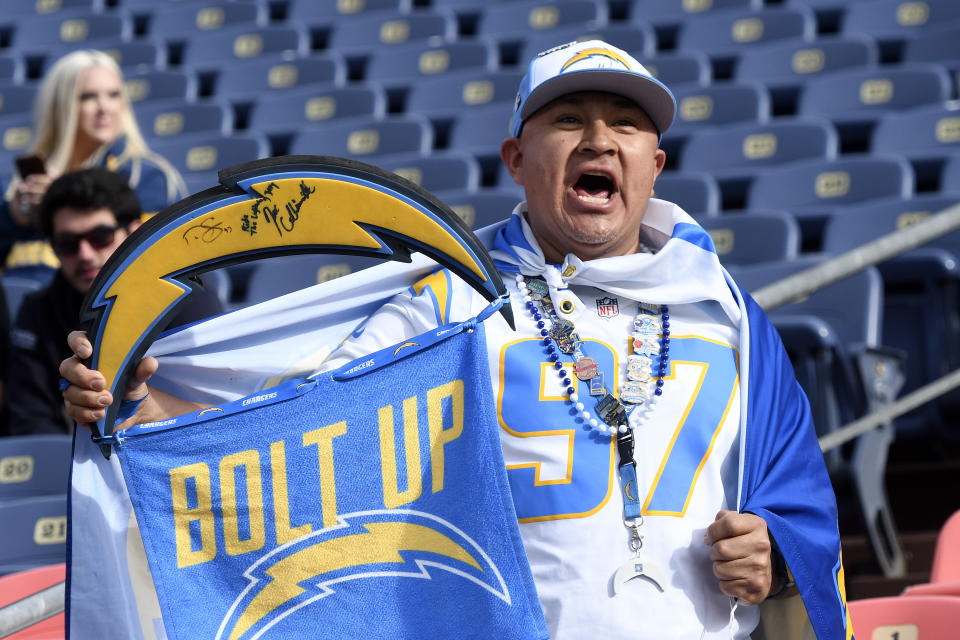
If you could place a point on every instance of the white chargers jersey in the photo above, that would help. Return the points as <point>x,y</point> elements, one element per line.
<point>563,474</point>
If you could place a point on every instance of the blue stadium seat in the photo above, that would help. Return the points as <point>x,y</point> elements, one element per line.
<point>950,175</point>
<point>16,135</point>
<point>922,132</point>
<point>34,35</point>
<point>719,104</point>
<point>937,45</point>
<point>20,9</point>
<point>659,13</point>
<point>313,12</point>
<point>517,20</point>
<point>897,19</point>
<point>419,62</point>
<point>481,208</point>
<point>456,94</point>
<point>739,150</point>
<point>15,288</point>
<point>678,68</point>
<point>864,94</point>
<point>204,154</point>
<point>186,20</point>
<point>727,33</point>
<point>285,113</point>
<point>696,193</point>
<point>34,533</point>
<point>753,237</point>
<point>274,277</point>
<point>250,80</point>
<point>637,39</point>
<point>812,189</point>
<point>481,132</point>
<point>11,68</point>
<point>359,36</point>
<point>147,86</point>
<point>438,172</point>
<point>16,98</point>
<point>169,119</point>
<point>363,138</point>
<point>793,63</point>
<point>34,465</point>
<point>921,311</point>
<point>211,51</point>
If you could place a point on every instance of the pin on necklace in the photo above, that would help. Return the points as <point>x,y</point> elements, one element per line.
<point>646,367</point>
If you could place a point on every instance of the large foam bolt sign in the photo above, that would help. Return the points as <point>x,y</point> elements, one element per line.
<point>284,205</point>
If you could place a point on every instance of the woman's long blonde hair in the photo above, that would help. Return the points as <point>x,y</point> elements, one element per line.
<point>55,121</point>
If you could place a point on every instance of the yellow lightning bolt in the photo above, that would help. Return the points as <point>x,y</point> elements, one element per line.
<point>586,53</point>
<point>141,295</point>
<point>381,544</point>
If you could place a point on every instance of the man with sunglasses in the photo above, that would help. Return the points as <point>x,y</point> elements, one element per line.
<point>85,215</point>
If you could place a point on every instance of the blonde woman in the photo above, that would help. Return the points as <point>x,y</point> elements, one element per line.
<point>83,119</point>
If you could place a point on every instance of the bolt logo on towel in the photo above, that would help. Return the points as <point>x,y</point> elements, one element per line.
<point>294,204</point>
<point>366,545</point>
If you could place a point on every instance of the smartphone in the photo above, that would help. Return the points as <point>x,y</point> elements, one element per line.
<point>29,165</point>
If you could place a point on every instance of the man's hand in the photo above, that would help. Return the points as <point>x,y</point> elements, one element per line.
<point>86,398</point>
<point>740,551</point>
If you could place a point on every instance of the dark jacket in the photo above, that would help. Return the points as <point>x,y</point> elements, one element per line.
<point>38,343</point>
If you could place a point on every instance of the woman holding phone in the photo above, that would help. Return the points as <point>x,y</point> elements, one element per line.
<point>84,119</point>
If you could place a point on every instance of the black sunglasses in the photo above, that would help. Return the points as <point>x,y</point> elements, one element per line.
<point>68,244</point>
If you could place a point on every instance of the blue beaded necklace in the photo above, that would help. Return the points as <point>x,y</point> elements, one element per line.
<point>647,365</point>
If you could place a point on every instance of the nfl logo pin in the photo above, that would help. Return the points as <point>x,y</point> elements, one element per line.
<point>608,307</point>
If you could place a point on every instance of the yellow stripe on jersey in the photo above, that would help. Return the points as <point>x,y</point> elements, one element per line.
<point>437,285</point>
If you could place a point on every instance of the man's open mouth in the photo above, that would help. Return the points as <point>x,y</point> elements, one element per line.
<point>594,187</point>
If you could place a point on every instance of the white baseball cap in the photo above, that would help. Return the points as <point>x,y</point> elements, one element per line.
<point>591,65</point>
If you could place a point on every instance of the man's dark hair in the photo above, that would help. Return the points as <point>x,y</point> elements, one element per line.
<point>87,190</point>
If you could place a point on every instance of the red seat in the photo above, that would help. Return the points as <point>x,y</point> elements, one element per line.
<point>926,617</point>
<point>946,556</point>
<point>17,586</point>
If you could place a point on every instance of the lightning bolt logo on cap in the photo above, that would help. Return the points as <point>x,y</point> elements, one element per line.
<point>588,53</point>
<point>285,205</point>
<point>370,544</point>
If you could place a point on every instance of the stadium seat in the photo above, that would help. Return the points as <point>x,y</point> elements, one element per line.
<point>313,12</point>
<point>35,34</point>
<point>937,45</point>
<point>866,94</point>
<point>932,131</point>
<point>696,193</point>
<point>211,51</point>
<point>950,175</point>
<point>451,95</point>
<point>282,114</point>
<point>15,288</point>
<point>753,237</point>
<point>362,138</point>
<point>16,98</point>
<point>479,209</point>
<point>921,292</point>
<point>898,19</point>
<point>167,119</point>
<point>249,80</point>
<point>35,532</point>
<point>274,277</point>
<point>27,8</point>
<point>726,33</point>
<point>11,68</point>
<point>411,64</point>
<point>945,571</point>
<point>678,68</point>
<point>440,171</point>
<point>184,21</point>
<point>719,104</point>
<point>661,13</point>
<point>34,465</point>
<point>17,586</point>
<point>147,86</point>
<point>791,64</point>
<point>926,617</point>
<point>359,36</point>
<point>481,131</point>
<point>517,20</point>
<point>740,150</point>
<point>637,39</point>
<point>16,135</point>
<point>204,154</point>
<point>811,189</point>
